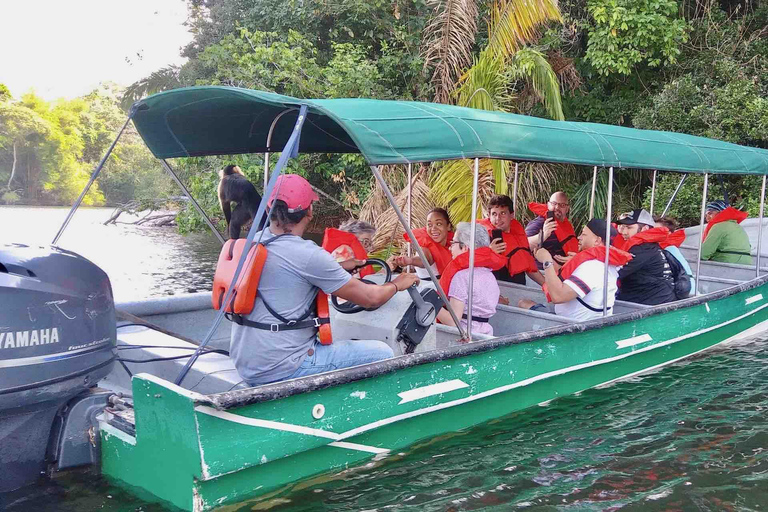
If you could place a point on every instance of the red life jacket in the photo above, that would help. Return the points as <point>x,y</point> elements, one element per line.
<point>618,241</point>
<point>653,235</point>
<point>334,238</point>
<point>247,286</point>
<point>441,254</point>
<point>564,230</point>
<point>484,257</point>
<point>519,257</point>
<point>616,258</point>
<point>729,213</point>
<point>676,238</point>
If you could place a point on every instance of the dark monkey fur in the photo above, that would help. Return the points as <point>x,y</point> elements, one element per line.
<point>235,187</point>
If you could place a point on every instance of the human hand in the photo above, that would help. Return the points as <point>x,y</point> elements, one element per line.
<point>543,255</point>
<point>404,281</point>
<point>351,264</point>
<point>549,226</point>
<point>498,246</point>
<point>503,300</point>
<point>403,261</point>
<point>564,259</point>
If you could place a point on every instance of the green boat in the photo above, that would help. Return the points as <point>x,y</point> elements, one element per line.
<point>211,441</point>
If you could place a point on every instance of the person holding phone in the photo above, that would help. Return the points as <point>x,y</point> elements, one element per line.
<point>551,229</point>
<point>508,239</point>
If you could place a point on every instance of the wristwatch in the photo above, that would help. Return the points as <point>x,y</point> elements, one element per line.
<point>547,264</point>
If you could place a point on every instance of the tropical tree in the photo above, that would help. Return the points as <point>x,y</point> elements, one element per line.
<point>489,84</point>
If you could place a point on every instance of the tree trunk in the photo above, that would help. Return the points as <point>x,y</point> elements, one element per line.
<point>13,168</point>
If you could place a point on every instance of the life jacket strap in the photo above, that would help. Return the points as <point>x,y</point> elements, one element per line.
<point>291,325</point>
<point>596,310</point>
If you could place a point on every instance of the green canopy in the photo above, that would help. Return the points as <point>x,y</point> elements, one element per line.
<point>200,121</point>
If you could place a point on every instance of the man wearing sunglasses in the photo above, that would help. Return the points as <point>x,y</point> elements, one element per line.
<point>648,278</point>
<point>551,229</point>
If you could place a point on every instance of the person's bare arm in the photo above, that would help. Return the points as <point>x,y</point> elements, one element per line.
<point>445,316</point>
<point>559,292</point>
<point>536,277</point>
<point>374,295</point>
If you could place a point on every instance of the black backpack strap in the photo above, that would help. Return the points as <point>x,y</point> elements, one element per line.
<point>292,325</point>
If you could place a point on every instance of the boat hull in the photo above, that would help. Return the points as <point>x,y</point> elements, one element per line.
<point>202,451</point>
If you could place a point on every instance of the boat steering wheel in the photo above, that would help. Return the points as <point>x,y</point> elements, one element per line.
<point>349,308</point>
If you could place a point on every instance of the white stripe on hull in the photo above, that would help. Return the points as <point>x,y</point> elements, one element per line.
<point>753,299</point>
<point>635,340</point>
<point>431,390</point>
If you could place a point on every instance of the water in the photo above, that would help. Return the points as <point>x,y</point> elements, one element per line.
<point>693,436</point>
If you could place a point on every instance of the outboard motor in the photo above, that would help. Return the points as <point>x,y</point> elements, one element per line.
<point>57,340</point>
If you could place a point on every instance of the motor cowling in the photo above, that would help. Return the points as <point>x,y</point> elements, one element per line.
<point>57,339</point>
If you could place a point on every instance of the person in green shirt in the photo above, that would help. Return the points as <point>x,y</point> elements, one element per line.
<point>724,240</point>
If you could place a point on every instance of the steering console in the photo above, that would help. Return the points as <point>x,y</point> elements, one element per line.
<point>350,307</point>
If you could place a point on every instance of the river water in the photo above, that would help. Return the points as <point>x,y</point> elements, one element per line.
<point>691,436</point>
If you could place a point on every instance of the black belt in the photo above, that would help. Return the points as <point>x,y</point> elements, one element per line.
<point>476,319</point>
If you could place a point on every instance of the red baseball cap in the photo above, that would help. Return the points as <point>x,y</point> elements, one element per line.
<point>295,191</point>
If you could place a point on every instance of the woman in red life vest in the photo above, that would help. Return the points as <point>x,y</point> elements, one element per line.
<point>435,240</point>
<point>509,240</point>
<point>352,240</point>
<point>455,280</point>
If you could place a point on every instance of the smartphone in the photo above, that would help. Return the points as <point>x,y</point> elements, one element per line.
<point>495,233</point>
<point>550,215</point>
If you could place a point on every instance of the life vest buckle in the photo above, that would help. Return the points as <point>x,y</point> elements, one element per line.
<point>274,327</point>
<point>317,322</point>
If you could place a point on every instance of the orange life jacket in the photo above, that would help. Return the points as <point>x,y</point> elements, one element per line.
<point>616,258</point>
<point>440,253</point>
<point>484,257</point>
<point>246,290</point>
<point>729,213</point>
<point>564,230</point>
<point>675,238</point>
<point>518,258</point>
<point>334,238</point>
<point>653,235</point>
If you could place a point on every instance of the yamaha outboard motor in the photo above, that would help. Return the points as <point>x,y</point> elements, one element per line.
<point>57,340</point>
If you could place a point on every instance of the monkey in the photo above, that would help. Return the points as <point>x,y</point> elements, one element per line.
<point>235,187</point>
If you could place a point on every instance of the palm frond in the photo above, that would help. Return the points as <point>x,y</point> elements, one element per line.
<point>485,86</point>
<point>532,66</point>
<point>451,185</point>
<point>161,80</point>
<point>515,23</point>
<point>448,41</point>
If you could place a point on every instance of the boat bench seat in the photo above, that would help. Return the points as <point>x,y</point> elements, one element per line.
<point>515,292</point>
<point>212,373</point>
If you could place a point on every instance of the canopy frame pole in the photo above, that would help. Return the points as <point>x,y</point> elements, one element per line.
<point>269,144</point>
<point>289,151</point>
<point>674,195</point>
<point>197,206</point>
<point>653,191</point>
<point>760,228</point>
<point>472,224</point>
<point>410,202</point>
<point>701,233</point>
<point>514,193</point>
<point>417,247</point>
<point>592,197</point>
<point>94,175</point>
<point>607,240</point>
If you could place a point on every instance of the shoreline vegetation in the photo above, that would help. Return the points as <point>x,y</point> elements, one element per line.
<point>690,66</point>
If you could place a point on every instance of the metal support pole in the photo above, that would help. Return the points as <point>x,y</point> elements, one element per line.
<point>701,232</point>
<point>760,228</point>
<point>592,197</point>
<point>197,206</point>
<point>291,148</point>
<point>416,246</point>
<point>607,240</point>
<point>472,224</point>
<point>514,194</point>
<point>94,175</point>
<point>410,201</point>
<point>674,195</point>
<point>269,144</point>
<point>653,190</point>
